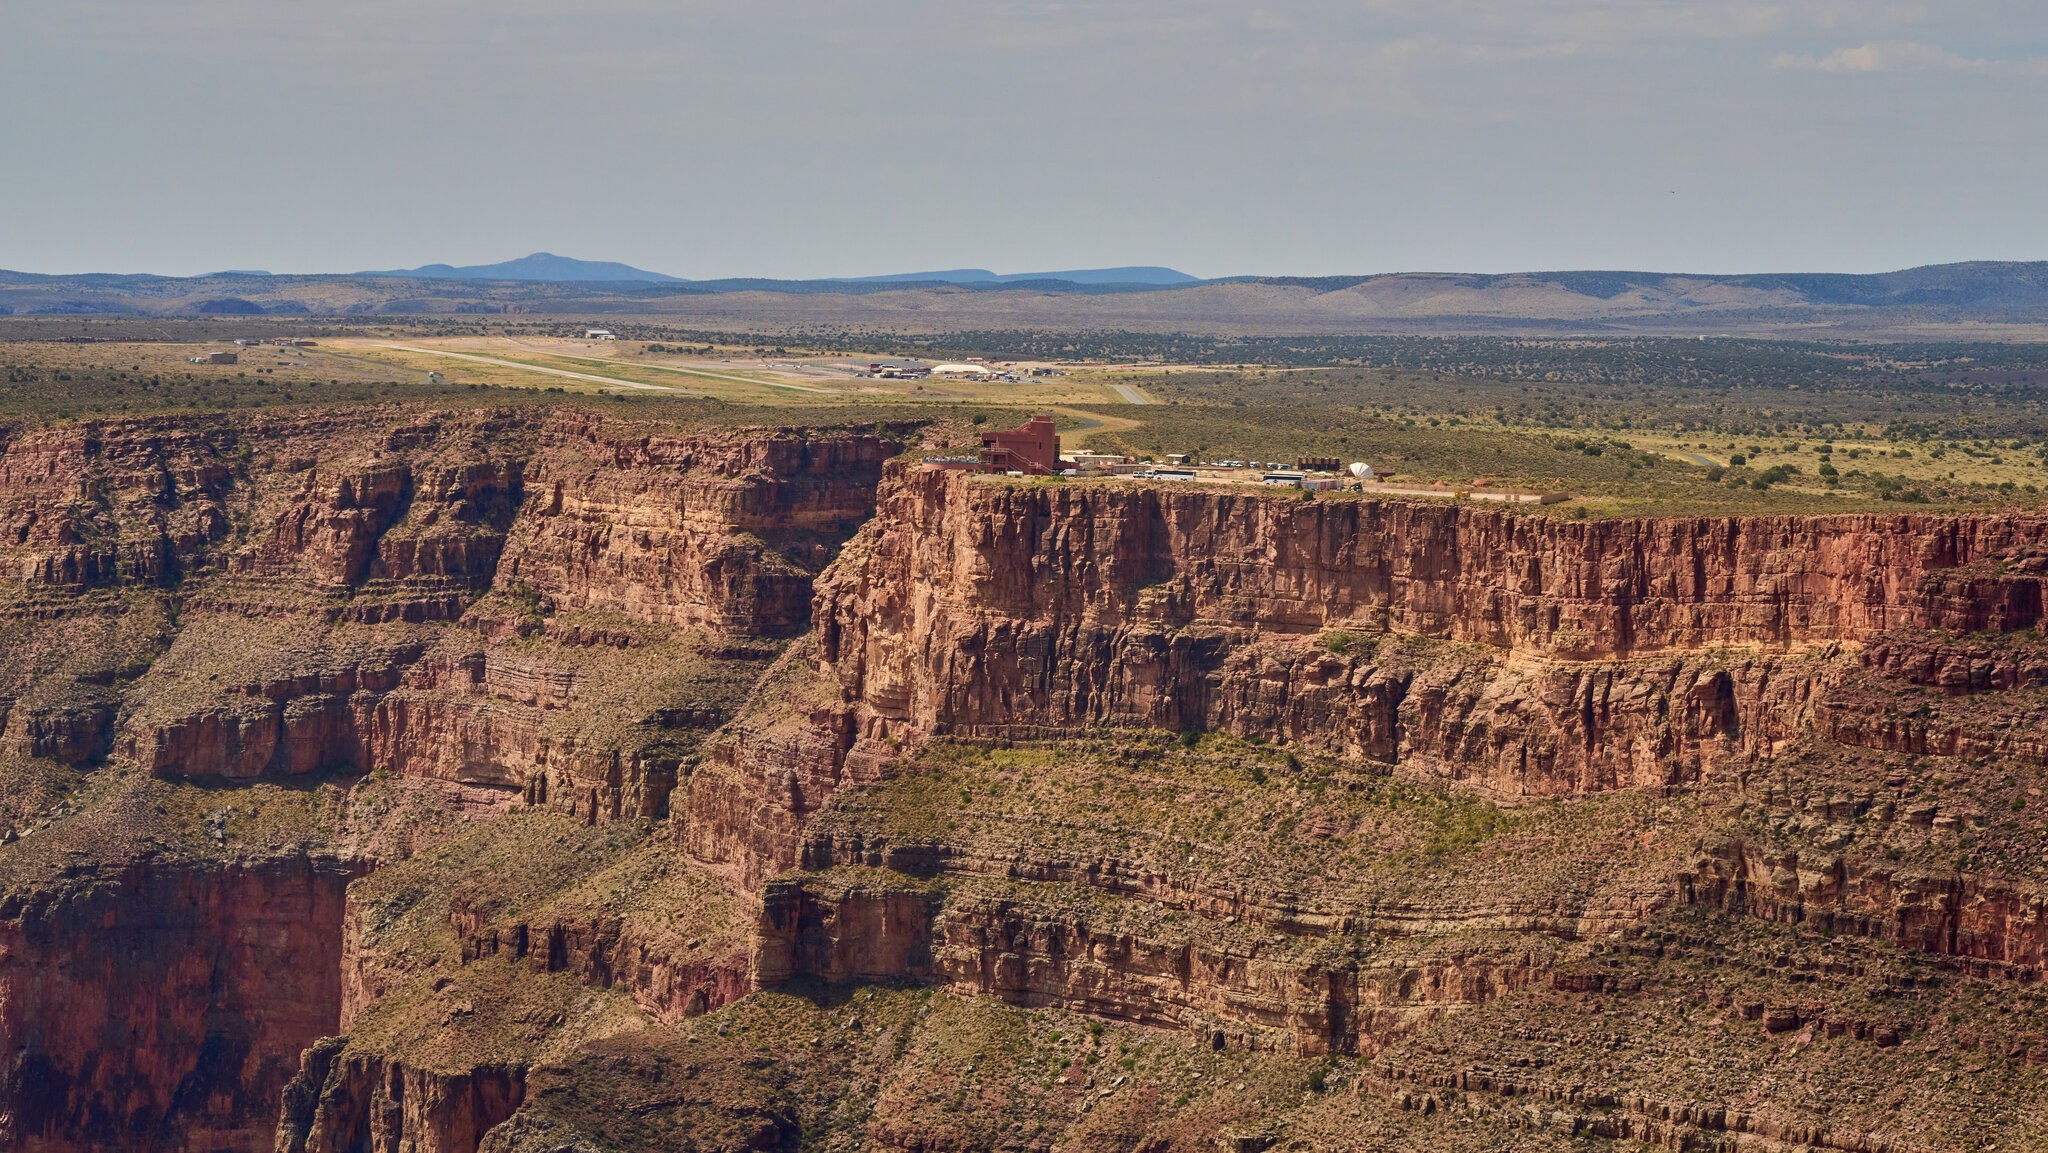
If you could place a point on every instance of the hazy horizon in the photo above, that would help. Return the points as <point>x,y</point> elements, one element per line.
<point>709,140</point>
<point>1004,273</point>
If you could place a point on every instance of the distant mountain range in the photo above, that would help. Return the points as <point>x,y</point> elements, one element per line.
<point>1136,298</point>
<point>541,266</point>
<point>1141,274</point>
<point>548,268</point>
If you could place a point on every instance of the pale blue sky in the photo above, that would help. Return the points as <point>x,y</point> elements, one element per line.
<point>806,138</point>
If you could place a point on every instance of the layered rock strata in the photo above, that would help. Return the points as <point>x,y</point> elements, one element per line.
<point>980,608</point>
<point>165,1007</point>
<point>555,610</point>
<point>342,1101</point>
<point>1520,655</point>
<point>550,607</point>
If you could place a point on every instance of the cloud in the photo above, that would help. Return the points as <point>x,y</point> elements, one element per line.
<point>1268,20</point>
<point>1423,51</point>
<point>1623,22</point>
<point>1907,56</point>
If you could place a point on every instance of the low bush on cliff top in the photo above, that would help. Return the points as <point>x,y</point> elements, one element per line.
<point>1621,480</point>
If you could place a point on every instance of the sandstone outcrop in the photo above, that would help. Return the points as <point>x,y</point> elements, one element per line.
<point>1236,989</point>
<point>547,606</point>
<point>1128,557</point>
<point>408,516</point>
<point>165,1007</point>
<point>604,952</point>
<point>1562,656</point>
<point>724,533</point>
<point>1997,922</point>
<point>342,1101</point>
<point>1523,656</point>
<point>1312,780</point>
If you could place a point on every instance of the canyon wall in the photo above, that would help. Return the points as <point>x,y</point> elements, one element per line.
<point>512,605</point>
<point>991,609</point>
<point>1117,556</point>
<point>341,1101</point>
<point>1520,655</point>
<point>723,532</point>
<point>407,515</point>
<point>338,523</point>
<point>1246,984</point>
<point>165,1006</point>
<point>625,623</point>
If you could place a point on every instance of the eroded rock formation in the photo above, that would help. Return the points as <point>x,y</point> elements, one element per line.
<point>165,1007</point>
<point>545,608</point>
<point>1523,656</point>
<point>1303,780</point>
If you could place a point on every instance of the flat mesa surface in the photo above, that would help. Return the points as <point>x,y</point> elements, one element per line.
<point>1627,428</point>
<point>774,379</point>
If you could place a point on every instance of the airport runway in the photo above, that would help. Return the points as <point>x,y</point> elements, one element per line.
<point>738,379</point>
<point>547,371</point>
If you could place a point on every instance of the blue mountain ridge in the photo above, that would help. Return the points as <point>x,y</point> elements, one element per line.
<point>542,266</point>
<point>548,267</point>
<point>1134,274</point>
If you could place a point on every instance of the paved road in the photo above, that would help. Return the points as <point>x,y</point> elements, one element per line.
<point>563,372</point>
<point>1077,435</point>
<point>1696,458</point>
<point>1131,395</point>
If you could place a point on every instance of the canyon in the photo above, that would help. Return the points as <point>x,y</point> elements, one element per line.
<point>435,780</point>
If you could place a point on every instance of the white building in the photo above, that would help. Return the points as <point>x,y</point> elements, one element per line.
<point>598,334</point>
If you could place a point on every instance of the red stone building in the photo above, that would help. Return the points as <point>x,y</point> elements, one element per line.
<point>1032,448</point>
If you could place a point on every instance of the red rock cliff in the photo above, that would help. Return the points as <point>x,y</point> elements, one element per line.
<point>284,595</point>
<point>981,607</point>
<point>1517,653</point>
<point>165,1007</point>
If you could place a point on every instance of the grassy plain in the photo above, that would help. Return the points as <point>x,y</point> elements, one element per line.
<point>1626,427</point>
<point>512,361</point>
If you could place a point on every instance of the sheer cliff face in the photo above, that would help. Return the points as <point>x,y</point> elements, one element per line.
<point>717,532</point>
<point>1131,557</point>
<point>166,1007</point>
<point>1789,671</point>
<point>619,728</point>
<point>407,516</point>
<point>487,610</point>
<point>1583,655</point>
<point>1521,656</point>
